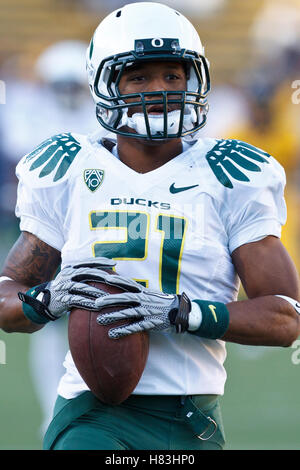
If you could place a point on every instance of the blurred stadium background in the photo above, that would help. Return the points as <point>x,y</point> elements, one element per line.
<point>254,51</point>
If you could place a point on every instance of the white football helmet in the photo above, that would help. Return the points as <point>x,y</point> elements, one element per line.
<point>63,61</point>
<point>141,32</point>
<point>61,68</point>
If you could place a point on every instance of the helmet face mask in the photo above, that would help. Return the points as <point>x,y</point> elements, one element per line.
<point>113,108</point>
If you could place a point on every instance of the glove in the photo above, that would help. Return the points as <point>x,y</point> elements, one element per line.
<point>51,300</point>
<point>151,310</point>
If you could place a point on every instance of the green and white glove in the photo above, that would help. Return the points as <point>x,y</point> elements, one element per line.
<point>156,311</point>
<point>51,300</point>
<point>150,310</point>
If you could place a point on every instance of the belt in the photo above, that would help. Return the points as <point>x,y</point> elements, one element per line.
<point>168,403</point>
<point>202,425</point>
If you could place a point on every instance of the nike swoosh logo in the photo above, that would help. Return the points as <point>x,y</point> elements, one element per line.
<point>212,308</point>
<point>162,296</point>
<point>174,190</point>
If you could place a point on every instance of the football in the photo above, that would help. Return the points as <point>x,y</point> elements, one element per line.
<point>111,368</point>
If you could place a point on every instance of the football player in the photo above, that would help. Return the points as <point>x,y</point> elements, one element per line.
<point>184,219</point>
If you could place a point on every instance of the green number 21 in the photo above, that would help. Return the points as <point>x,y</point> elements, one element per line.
<point>134,244</point>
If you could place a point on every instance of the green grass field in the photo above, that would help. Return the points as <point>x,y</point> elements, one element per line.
<point>260,407</point>
<point>20,414</point>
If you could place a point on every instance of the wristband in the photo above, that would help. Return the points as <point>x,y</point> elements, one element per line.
<point>195,317</point>
<point>34,309</point>
<point>293,302</point>
<point>215,319</point>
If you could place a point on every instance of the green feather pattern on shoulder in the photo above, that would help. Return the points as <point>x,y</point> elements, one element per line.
<point>54,155</point>
<point>228,158</point>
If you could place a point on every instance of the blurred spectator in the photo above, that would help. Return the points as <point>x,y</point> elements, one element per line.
<point>276,28</point>
<point>58,101</point>
<point>276,38</point>
<point>270,128</point>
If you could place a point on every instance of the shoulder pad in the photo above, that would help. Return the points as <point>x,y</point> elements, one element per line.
<point>232,159</point>
<point>52,158</point>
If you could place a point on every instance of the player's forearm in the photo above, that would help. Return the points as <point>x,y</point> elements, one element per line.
<point>265,321</point>
<point>12,318</point>
<point>29,263</point>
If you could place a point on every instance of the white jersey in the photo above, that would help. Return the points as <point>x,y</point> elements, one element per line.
<point>173,228</point>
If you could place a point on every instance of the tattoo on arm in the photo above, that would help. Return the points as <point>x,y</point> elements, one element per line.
<point>31,261</point>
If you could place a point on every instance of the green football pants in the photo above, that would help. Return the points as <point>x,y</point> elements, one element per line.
<point>139,423</point>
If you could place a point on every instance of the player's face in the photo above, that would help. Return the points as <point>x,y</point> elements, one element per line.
<point>151,77</point>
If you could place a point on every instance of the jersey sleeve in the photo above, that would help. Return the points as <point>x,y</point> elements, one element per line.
<point>256,208</point>
<point>36,209</point>
<point>43,178</point>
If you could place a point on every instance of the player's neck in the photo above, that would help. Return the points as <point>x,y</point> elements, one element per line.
<point>143,156</point>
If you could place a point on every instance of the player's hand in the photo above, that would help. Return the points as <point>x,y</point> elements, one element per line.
<point>49,301</point>
<point>150,310</point>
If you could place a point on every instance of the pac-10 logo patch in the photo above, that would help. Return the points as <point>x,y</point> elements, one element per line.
<point>93,178</point>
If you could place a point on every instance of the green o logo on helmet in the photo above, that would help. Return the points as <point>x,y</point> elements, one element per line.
<point>157,42</point>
